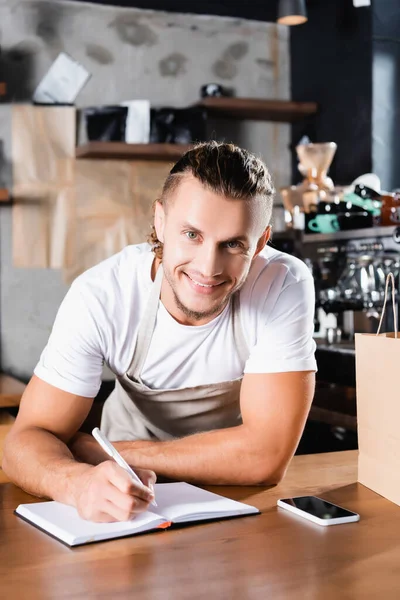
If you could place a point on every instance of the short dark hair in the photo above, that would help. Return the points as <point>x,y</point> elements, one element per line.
<point>225,169</point>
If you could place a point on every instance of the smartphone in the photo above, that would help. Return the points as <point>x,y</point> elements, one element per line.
<point>318,510</point>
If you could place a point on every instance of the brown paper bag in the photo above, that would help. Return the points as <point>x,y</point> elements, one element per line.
<point>378,408</point>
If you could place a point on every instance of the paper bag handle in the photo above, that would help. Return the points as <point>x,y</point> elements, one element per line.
<point>391,279</point>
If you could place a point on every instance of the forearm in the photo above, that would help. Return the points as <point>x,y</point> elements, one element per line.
<point>84,448</point>
<point>221,457</point>
<point>41,464</point>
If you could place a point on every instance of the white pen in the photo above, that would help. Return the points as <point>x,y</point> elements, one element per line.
<point>111,451</point>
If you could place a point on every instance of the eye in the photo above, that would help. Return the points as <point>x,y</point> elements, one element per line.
<point>233,245</point>
<point>191,235</point>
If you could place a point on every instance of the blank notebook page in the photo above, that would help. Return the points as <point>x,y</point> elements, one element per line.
<point>178,501</point>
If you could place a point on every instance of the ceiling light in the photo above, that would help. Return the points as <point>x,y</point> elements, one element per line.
<point>292,12</point>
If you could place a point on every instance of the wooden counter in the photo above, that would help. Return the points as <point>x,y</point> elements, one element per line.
<point>11,391</point>
<point>273,555</point>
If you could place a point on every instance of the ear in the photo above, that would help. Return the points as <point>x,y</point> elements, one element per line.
<point>159,220</point>
<point>263,241</point>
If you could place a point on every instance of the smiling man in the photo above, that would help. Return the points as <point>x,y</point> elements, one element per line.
<point>209,333</point>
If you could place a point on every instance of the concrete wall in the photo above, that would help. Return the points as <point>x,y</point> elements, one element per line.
<point>131,54</point>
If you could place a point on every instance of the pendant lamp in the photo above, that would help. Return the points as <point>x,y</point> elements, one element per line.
<point>292,12</point>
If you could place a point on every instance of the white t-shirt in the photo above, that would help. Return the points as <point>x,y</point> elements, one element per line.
<point>99,317</point>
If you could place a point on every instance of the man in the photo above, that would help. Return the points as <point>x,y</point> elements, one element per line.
<point>209,333</point>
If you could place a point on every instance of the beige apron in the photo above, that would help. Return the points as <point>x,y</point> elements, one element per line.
<point>134,411</point>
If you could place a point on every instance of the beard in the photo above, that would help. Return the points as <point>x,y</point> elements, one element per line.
<point>200,315</point>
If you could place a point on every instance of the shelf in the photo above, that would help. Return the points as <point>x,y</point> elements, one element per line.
<point>346,235</point>
<point>4,195</point>
<point>124,151</point>
<point>352,234</point>
<point>257,109</point>
<point>254,109</point>
<point>11,391</point>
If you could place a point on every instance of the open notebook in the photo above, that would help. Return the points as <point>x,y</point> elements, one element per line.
<point>177,503</point>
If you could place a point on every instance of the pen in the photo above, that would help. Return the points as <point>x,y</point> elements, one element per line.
<point>111,451</point>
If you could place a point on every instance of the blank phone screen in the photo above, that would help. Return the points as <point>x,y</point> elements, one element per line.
<point>318,508</point>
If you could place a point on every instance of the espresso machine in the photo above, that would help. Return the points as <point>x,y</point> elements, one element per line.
<point>350,270</point>
<point>349,237</point>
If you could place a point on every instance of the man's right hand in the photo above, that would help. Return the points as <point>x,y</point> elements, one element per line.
<point>36,457</point>
<point>106,493</point>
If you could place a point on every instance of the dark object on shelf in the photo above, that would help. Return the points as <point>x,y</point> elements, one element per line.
<point>215,90</point>
<point>342,221</point>
<point>366,192</point>
<point>355,220</point>
<point>178,125</point>
<point>106,123</point>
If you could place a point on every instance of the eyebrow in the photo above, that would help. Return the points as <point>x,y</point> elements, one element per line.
<point>237,238</point>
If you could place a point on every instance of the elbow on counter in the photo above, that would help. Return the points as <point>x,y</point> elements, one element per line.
<point>11,451</point>
<point>3,464</point>
<point>7,470</point>
<point>265,475</point>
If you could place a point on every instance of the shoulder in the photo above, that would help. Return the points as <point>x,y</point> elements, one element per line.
<point>274,271</point>
<point>278,314</point>
<point>116,275</point>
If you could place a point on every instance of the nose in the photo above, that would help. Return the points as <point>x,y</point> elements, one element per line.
<point>210,261</point>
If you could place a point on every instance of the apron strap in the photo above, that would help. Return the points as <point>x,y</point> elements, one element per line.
<point>146,328</point>
<point>147,325</point>
<point>238,334</point>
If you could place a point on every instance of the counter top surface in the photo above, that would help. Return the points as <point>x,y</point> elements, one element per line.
<point>275,554</point>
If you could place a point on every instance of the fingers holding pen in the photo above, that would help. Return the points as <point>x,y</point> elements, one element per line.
<point>148,477</point>
<point>123,481</point>
<point>106,493</point>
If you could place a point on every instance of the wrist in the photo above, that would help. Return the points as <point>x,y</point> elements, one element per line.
<point>126,450</point>
<point>123,447</point>
<point>85,449</point>
<point>138,453</point>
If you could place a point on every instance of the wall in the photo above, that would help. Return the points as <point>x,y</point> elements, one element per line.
<point>131,54</point>
<point>386,92</point>
<point>331,63</point>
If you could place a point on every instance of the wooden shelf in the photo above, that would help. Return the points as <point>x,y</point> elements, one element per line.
<point>257,109</point>
<point>4,195</point>
<point>123,151</point>
<point>254,109</point>
<point>11,391</point>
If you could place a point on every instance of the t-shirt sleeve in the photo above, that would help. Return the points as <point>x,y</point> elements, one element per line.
<point>285,342</point>
<point>72,359</point>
